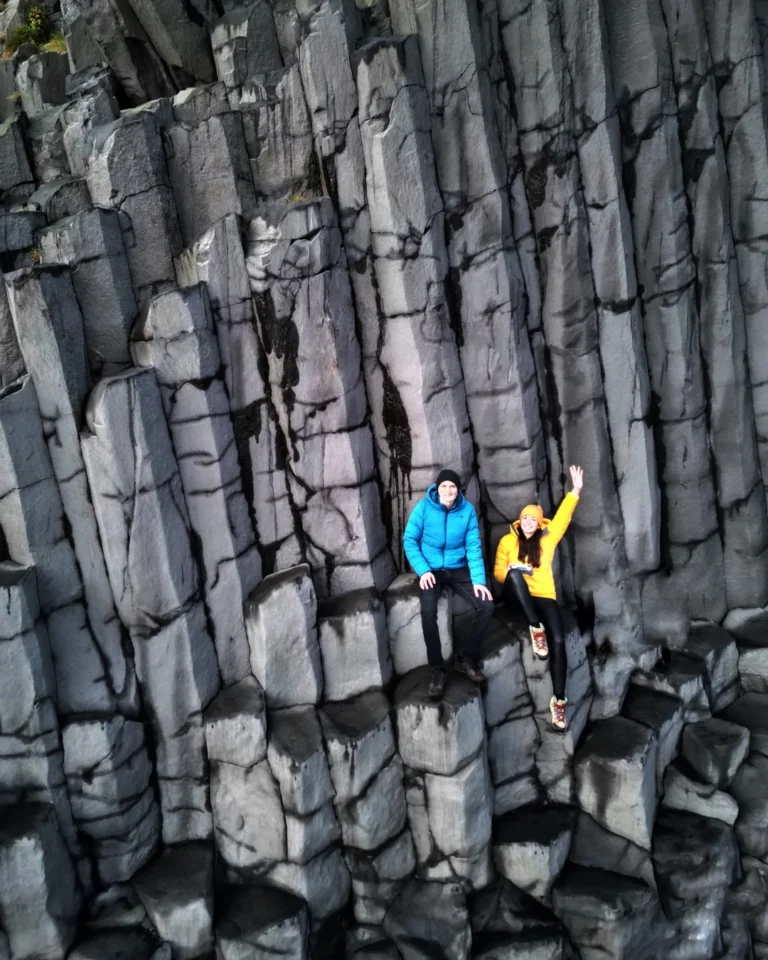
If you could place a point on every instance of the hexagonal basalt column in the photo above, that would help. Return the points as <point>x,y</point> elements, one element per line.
<point>295,262</point>
<point>217,258</point>
<point>280,619</point>
<point>352,631</point>
<point>176,336</point>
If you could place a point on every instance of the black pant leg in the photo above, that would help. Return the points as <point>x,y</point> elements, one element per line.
<point>515,594</point>
<point>552,618</point>
<point>461,583</point>
<point>428,600</point>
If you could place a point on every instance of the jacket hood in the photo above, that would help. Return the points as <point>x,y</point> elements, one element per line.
<point>434,499</point>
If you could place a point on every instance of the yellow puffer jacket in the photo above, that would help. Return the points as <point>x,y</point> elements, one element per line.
<point>541,583</point>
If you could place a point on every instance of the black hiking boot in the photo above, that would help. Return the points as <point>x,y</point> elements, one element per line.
<point>437,683</point>
<point>468,665</point>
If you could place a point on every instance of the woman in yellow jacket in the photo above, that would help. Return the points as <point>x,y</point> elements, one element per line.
<point>524,565</point>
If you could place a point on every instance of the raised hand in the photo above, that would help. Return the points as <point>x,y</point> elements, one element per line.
<point>577,476</point>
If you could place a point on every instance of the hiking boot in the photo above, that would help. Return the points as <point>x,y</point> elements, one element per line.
<point>539,642</point>
<point>437,683</point>
<point>557,711</point>
<point>469,666</point>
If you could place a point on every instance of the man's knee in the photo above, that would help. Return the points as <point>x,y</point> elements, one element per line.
<point>484,608</point>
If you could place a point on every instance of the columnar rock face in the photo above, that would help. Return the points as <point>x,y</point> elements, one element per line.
<point>268,268</point>
<point>306,322</point>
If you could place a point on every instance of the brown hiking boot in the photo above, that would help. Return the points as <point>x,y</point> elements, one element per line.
<point>468,665</point>
<point>437,683</point>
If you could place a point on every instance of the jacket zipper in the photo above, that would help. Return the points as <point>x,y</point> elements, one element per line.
<point>445,536</point>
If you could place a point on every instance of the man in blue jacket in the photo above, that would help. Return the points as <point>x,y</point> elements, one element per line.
<point>442,543</point>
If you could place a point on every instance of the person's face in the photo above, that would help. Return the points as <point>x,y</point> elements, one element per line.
<point>529,525</point>
<point>447,492</point>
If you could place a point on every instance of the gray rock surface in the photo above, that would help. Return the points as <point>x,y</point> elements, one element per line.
<point>428,918</point>
<point>280,622</point>
<point>531,845</point>
<point>352,633</point>
<point>259,921</point>
<point>715,749</point>
<point>176,336</point>
<point>177,893</point>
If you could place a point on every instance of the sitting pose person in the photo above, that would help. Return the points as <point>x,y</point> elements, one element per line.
<point>524,565</point>
<point>442,544</point>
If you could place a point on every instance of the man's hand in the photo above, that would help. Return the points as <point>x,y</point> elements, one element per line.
<point>481,591</point>
<point>577,476</point>
<point>427,580</point>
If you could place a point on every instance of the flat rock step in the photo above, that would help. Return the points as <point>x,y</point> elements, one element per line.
<point>531,845</point>
<point>261,921</point>
<point>683,677</point>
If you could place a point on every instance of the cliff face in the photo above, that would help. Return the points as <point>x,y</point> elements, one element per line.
<point>267,268</point>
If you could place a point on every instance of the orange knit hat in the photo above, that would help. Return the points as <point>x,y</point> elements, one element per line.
<point>533,510</point>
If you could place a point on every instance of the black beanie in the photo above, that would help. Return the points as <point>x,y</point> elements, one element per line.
<point>448,475</point>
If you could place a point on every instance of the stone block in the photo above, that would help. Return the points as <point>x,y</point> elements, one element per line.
<point>352,632</point>
<point>15,170</point>
<point>109,772</point>
<point>661,713</point>
<point>621,753</point>
<point>715,749</point>
<point>359,742</point>
<point>432,914</point>
<point>280,617</point>
<point>685,793</point>
<point>594,846</point>
<point>177,893</point>
<point>712,645</point>
<point>17,229</point>
<point>378,814</point>
<point>209,172</point>
<point>297,759</point>
<point>245,43</point>
<point>323,882</point>
<point>45,141</point>
<point>530,847</point>
<point>607,914</point>
<point>41,81</point>
<point>751,711</point>
<point>248,819</point>
<point>130,943</point>
<point>195,104</point>
<point>379,876</point>
<point>236,725</point>
<point>260,921</point>
<point>40,896</point>
<point>61,198</point>
<point>308,835</point>
<point>91,244</point>
<point>679,676</point>
<point>438,736</point>
<point>748,790</point>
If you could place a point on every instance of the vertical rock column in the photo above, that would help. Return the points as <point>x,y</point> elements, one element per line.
<point>408,388</point>
<point>139,503</point>
<point>575,368</point>
<point>307,326</point>
<point>31,756</point>
<point>693,575</point>
<point>738,481</point>
<point>218,259</point>
<point>412,363</point>
<point>736,53</point>
<point>486,289</point>
<point>127,172</point>
<point>595,126</point>
<point>34,527</point>
<point>447,783</point>
<point>91,243</point>
<point>176,335</point>
<point>370,802</point>
<point>49,327</point>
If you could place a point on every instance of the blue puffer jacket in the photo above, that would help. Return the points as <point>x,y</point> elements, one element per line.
<point>440,539</point>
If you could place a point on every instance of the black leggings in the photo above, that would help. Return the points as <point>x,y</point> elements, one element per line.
<point>547,612</point>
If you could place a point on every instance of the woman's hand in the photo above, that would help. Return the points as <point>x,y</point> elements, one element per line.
<point>577,476</point>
